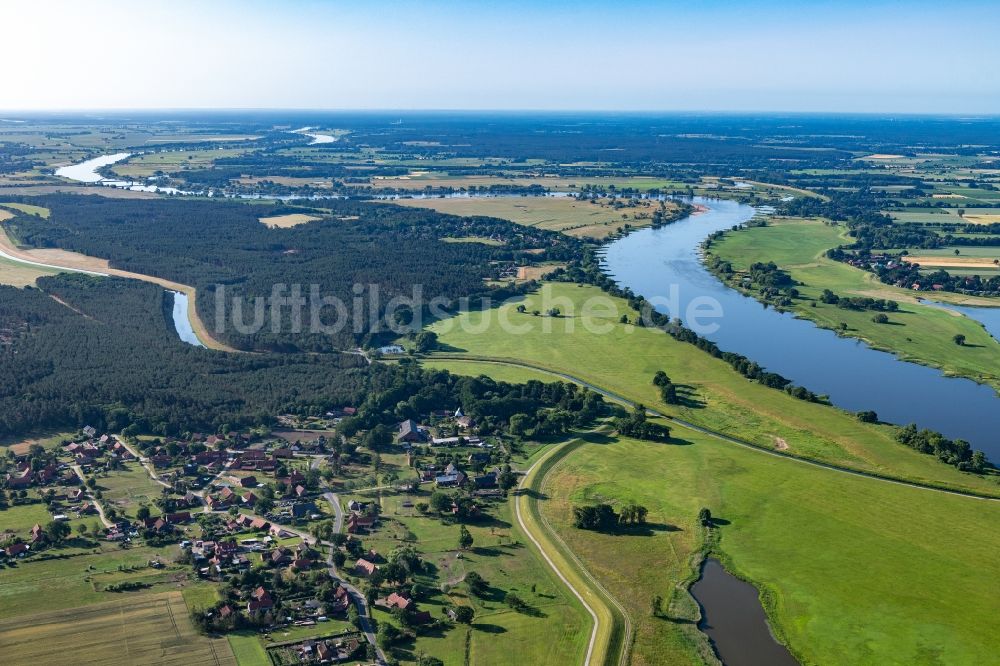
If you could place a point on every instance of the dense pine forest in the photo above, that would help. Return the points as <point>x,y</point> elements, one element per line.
<point>109,356</point>
<point>206,244</point>
<point>105,354</point>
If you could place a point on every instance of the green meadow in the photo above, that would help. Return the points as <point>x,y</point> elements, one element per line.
<point>851,570</point>
<point>919,333</point>
<point>595,347</point>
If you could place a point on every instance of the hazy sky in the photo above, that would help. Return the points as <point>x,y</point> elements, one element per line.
<point>919,57</point>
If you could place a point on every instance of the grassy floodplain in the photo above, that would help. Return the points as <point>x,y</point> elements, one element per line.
<point>919,333</point>
<point>623,358</point>
<point>852,570</point>
<point>566,214</point>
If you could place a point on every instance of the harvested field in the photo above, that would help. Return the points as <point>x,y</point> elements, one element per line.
<point>566,214</point>
<point>958,262</point>
<point>144,629</point>
<point>17,274</point>
<point>981,219</point>
<point>535,272</point>
<point>286,221</point>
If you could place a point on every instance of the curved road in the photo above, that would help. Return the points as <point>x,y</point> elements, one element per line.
<point>581,569</point>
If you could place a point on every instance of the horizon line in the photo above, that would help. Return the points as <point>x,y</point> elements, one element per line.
<point>468,110</point>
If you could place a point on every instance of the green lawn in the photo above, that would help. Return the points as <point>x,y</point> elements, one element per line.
<point>248,649</point>
<point>623,358</point>
<point>854,570</point>
<point>559,628</point>
<point>129,488</point>
<point>918,333</point>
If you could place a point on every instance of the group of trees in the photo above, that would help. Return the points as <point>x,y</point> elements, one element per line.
<point>668,391</point>
<point>604,518</point>
<point>635,424</point>
<point>955,452</point>
<point>533,409</point>
<point>858,302</point>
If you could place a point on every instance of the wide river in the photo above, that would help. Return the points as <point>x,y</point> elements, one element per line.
<point>658,262</point>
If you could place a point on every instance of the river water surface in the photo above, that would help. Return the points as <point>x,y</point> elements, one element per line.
<point>652,262</point>
<point>182,320</point>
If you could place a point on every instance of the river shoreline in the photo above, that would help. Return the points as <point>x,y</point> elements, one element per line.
<point>993,328</point>
<point>666,265</point>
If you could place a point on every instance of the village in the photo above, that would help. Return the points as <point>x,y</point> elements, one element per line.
<point>300,532</point>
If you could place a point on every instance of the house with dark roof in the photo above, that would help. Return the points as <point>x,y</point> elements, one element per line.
<point>304,509</point>
<point>260,602</point>
<point>409,431</point>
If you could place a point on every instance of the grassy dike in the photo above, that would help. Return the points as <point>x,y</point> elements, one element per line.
<point>919,333</point>
<point>610,637</point>
<point>593,345</point>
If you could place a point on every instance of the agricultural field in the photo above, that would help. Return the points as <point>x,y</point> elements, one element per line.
<point>920,333</point>
<point>581,218</point>
<point>79,576</point>
<point>835,579</point>
<point>142,629</point>
<point>594,346</point>
<point>285,221</point>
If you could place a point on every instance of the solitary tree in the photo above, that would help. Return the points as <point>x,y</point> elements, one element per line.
<point>464,538</point>
<point>464,614</point>
<point>959,339</point>
<point>705,517</point>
